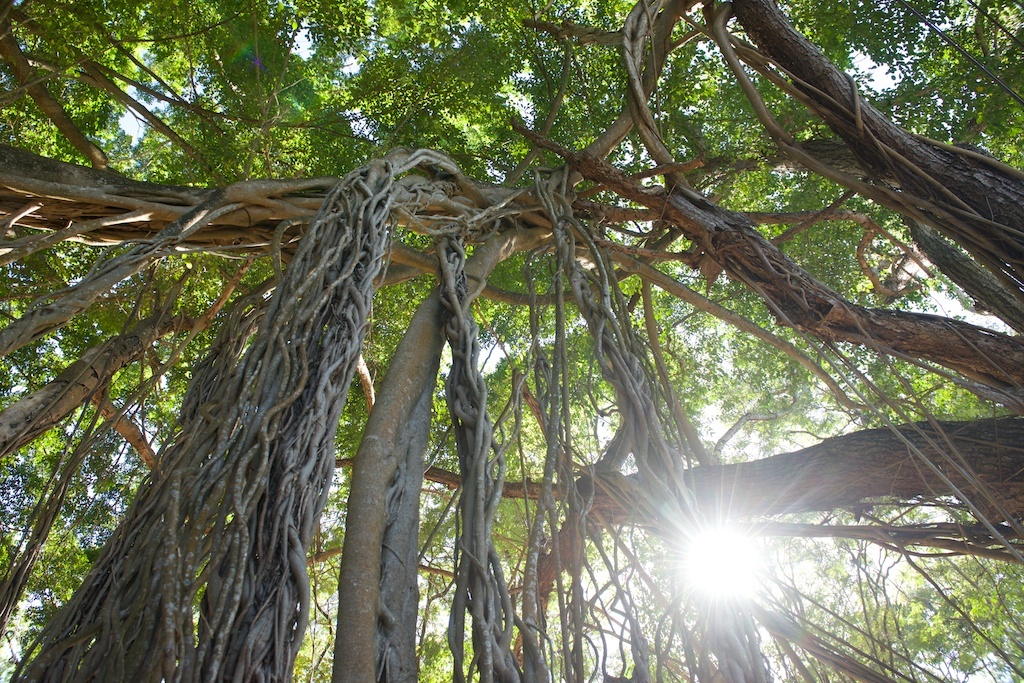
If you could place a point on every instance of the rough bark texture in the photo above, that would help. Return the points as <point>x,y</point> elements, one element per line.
<point>839,472</point>
<point>979,206</point>
<point>106,204</point>
<point>874,463</point>
<point>799,300</point>
<point>844,471</point>
<point>205,578</point>
<point>980,284</point>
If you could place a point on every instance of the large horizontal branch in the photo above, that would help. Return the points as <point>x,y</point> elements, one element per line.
<point>67,193</point>
<point>843,472</point>
<point>983,459</point>
<point>583,35</point>
<point>799,300</point>
<point>102,208</point>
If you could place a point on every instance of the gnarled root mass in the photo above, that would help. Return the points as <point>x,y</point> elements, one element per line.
<point>225,523</point>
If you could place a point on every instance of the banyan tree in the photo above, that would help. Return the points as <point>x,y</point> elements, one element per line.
<point>667,341</point>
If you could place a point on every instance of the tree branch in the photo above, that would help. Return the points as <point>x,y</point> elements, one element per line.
<point>23,71</point>
<point>799,300</point>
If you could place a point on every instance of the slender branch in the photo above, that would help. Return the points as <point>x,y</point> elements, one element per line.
<point>127,429</point>
<point>25,73</point>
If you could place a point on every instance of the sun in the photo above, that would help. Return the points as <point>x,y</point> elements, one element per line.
<point>723,562</point>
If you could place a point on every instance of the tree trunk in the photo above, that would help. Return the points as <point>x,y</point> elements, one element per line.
<point>222,529</point>
<point>389,460</point>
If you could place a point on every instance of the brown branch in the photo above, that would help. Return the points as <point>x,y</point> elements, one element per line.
<point>841,472</point>
<point>979,457</point>
<point>366,381</point>
<point>583,35</point>
<point>26,75</point>
<point>799,300</point>
<point>127,429</point>
<point>31,415</point>
<point>86,379</point>
<point>97,77</point>
<point>974,200</point>
<point>616,214</point>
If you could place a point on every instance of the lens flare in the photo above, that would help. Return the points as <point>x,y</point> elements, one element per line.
<point>722,562</point>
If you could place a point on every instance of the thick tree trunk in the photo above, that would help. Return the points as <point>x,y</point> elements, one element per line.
<point>205,577</point>
<point>977,203</point>
<point>984,459</point>
<point>392,445</point>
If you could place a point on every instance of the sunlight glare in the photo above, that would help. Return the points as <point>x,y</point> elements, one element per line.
<point>722,562</point>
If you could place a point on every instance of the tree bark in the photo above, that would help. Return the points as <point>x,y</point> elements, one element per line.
<point>375,622</point>
<point>126,210</point>
<point>395,436</point>
<point>975,202</point>
<point>842,471</point>
<point>799,300</point>
<point>26,75</point>
<point>980,458</point>
<point>979,283</point>
<point>205,576</point>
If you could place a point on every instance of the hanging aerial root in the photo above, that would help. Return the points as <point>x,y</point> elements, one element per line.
<point>731,634</point>
<point>480,585</point>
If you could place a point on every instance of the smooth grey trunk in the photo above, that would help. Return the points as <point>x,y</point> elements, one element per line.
<point>395,437</point>
<point>396,636</point>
